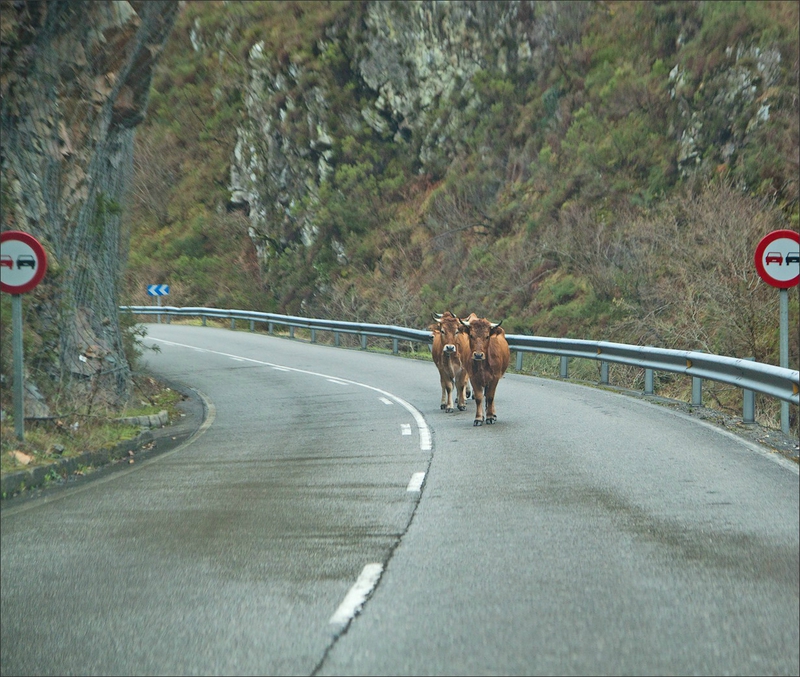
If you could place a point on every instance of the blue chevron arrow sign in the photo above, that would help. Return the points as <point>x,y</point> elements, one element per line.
<point>158,289</point>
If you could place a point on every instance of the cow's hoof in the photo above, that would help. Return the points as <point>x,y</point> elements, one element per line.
<point>491,420</point>
<point>460,408</point>
<point>442,406</point>
<point>449,410</point>
<point>478,421</point>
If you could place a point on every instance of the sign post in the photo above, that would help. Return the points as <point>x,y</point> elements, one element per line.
<point>777,262</point>
<point>23,263</point>
<point>158,290</point>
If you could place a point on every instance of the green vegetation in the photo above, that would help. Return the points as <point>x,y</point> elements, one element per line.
<point>616,191</point>
<point>54,438</point>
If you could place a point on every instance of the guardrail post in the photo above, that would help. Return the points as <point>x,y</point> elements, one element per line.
<point>203,319</point>
<point>748,403</point>
<point>291,332</point>
<point>519,360</point>
<point>648,382</point>
<point>363,341</point>
<point>252,325</point>
<point>336,339</point>
<point>394,346</point>
<point>604,373</point>
<point>697,391</point>
<point>564,366</point>
<point>313,336</point>
<point>271,328</point>
<point>168,318</point>
<point>233,323</point>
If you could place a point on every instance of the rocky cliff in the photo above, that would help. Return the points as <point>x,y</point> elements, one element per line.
<point>413,64</point>
<point>75,84</point>
<point>699,94</point>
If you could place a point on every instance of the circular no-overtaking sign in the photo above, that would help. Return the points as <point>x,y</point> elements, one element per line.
<point>778,258</point>
<point>23,262</point>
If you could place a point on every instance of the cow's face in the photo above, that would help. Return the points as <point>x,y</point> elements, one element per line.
<point>479,331</point>
<point>448,327</point>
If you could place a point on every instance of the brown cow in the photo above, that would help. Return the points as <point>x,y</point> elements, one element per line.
<point>450,351</point>
<point>489,358</point>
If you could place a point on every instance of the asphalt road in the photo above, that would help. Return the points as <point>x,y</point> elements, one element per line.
<point>585,533</point>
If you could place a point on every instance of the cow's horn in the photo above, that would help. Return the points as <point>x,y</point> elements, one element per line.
<point>495,325</point>
<point>437,316</point>
<point>465,323</point>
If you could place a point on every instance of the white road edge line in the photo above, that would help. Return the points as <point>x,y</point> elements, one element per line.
<point>385,401</point>
<point>425,441</point>
<point>357,595</point>
<point>416,482</point>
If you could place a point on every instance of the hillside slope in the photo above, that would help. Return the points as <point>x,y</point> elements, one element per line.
<point>600,170</point>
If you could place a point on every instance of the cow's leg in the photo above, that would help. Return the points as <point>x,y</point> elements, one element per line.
<point>491,415</point>
<point>478,392</point>
<point>447,393</point>
<point>461,387</point>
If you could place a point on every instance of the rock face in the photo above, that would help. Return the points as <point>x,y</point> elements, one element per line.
<point>75,83</point>
<point>412,67</point>
<point>414,61</point>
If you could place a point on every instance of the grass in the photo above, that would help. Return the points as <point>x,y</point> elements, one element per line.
<point>47,441</point>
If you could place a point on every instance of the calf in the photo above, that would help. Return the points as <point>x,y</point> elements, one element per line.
<point>450,352</point>
<point>488,360</point>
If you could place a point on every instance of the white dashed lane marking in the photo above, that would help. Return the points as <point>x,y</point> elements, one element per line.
<point>416,481</point>
<point>357,595</point>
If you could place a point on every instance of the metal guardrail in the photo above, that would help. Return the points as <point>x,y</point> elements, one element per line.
<point>751,376</point>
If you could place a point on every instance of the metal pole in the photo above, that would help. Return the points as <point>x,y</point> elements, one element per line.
<point>648,382</point>
<point>784,352</point>
<point>19,388</point>
<point>158,299</point>
<point>697,391</point>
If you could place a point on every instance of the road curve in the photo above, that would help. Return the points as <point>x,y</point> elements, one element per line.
<point>333,520</point>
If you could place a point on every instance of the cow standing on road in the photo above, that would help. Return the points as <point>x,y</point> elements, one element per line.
<point>450,352</point>
<point>488,360</point>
